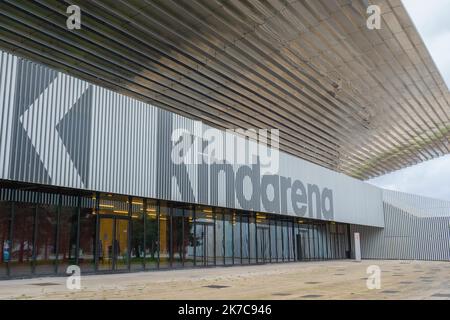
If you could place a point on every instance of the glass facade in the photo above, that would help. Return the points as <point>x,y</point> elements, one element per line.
<point>205,232</point>
<point>228,237</point>
<point>87,240</point>
<point>151,237</point>
<point>5,245</point>
<point>237,237</point>
<point>22,240</point>
<point>137,237</point>
<point>177,239</point>
<point>219,236</point>
<point>67,238</point>
<point>188,236</point>
<point>263,241</point>
<point>45,241</point>
<point>42,232</point>
<point>164,244</point>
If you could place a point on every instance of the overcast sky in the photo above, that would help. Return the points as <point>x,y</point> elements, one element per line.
<point>431,178</point>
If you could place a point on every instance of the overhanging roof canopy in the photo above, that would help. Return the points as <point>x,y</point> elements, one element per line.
<point>358,101</point>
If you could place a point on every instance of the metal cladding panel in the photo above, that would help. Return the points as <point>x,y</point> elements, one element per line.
<point>123,146</point>
<point>418,205</point>
<point>183,179</point>
<point>354,201</point>
<point>8,72</point>
<point>62,131</point>
<point>416,228</point>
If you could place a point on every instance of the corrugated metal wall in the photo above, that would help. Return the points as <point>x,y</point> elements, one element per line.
<point>417,205</point>
<point>8,71</point>
<point>62,131</point>
<point>123,145</point>
<point>416,228</point>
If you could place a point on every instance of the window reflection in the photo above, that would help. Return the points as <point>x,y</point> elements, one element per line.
<point>120,248</point>
<point>177,243</point>
<point>333,241</point>
<point>252,238</point>
<point>113,204</point>
<point>228,233</point>
<point>220,237</point>
<point>45,255</point>
<point>279,237</point>
<point>303,244</point>
<point>237,237</point>
<point>67,238</point>
<point>273,240</point>
<point>263,238</point>
<point>22,241</point>
<point>164,236</point>
<point>245,239</point>
<point>204,236</point>
<point>137,249</point>
<point>151,235</point>
<point>286,244</point>
<point>188,241</point>
<point>5,246</point>
<point>111,233</point>
<point>87,223</point>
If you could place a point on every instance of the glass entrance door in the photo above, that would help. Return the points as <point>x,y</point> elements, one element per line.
<point>303,243</point>
<point>121,244</point>
<point>263,244</point>
<point>113,244</point>
<point>204,253</point>
<point>105,244</point>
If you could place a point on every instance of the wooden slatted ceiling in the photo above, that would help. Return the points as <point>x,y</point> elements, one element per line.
<point>358,101</point>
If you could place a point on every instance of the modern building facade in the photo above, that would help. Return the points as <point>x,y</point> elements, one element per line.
<point>416,228</point>
<point>106,135</point>
<point>88,178</point>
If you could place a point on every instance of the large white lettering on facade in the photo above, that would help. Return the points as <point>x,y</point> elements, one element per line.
<point>247,184</point>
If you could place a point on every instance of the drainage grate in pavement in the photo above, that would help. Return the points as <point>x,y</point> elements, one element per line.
<point>339,274</point>
<point>425,277</point>
<point>389,291</point>
<point>406,282</point>
<point>311,296</point>
<point>44,284</point>
<point>441,295</point>
<point>398,275</point>
<point>312,282</point>
<point>282,294</point>
<point>216,286</point>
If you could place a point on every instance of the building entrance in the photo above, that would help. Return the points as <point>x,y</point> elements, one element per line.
<point>204,234</point>
<point>112,253</point>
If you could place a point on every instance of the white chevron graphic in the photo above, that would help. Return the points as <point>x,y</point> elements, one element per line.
<point>40,121</point>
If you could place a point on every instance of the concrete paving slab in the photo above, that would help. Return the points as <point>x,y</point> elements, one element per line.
<point>299,280</point>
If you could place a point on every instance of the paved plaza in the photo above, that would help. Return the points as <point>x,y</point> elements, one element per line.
<point>343,279</point>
